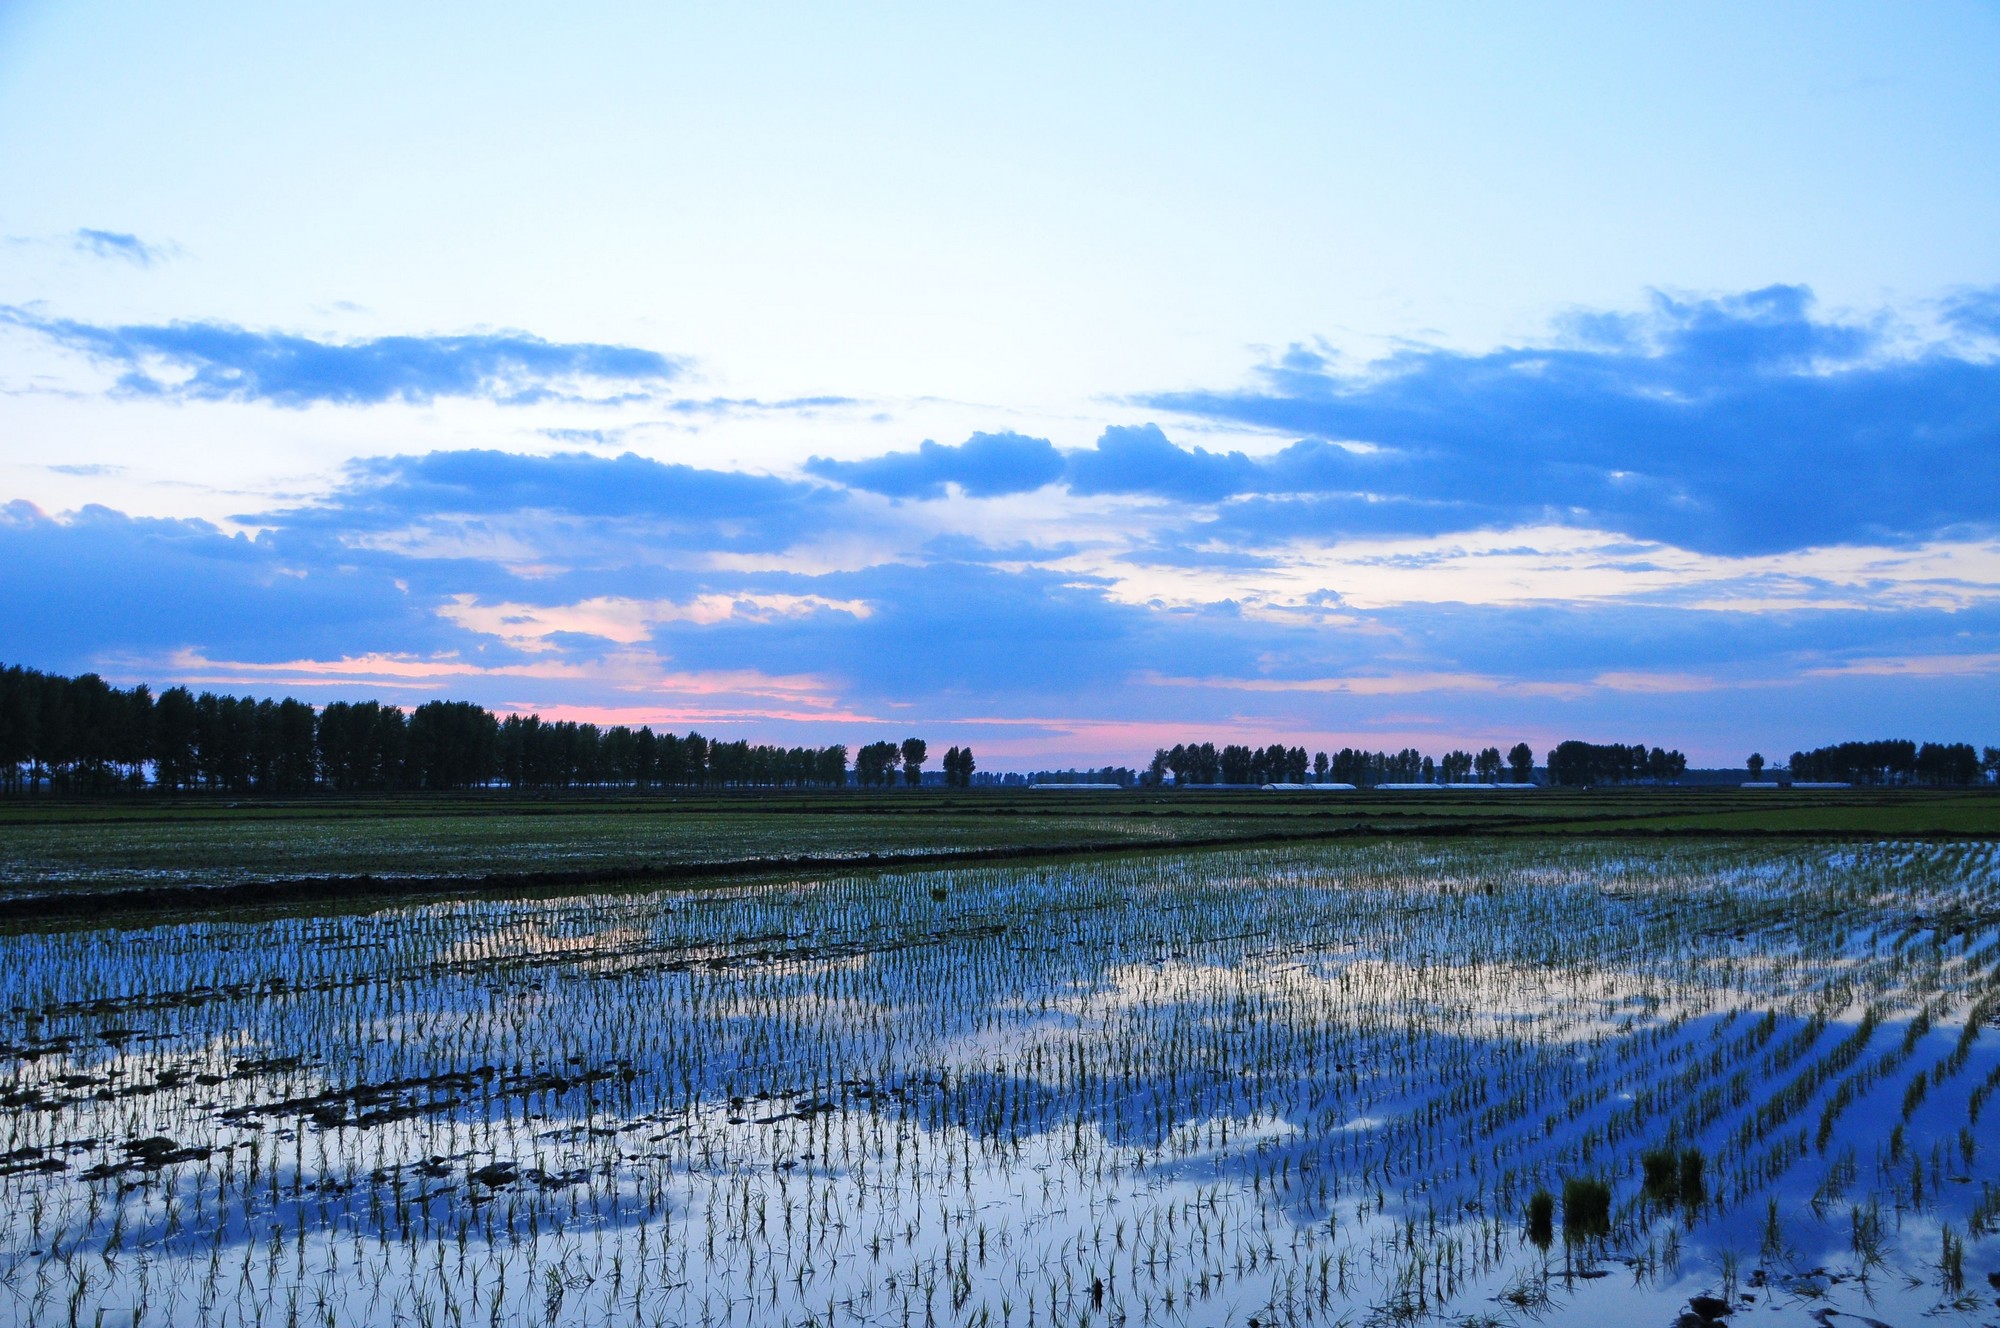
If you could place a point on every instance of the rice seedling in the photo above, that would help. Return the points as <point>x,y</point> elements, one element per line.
<point>1951,1260</point>
<point>1294,1085</point>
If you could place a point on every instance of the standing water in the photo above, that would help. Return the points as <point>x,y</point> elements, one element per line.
<point>1472,1083</point>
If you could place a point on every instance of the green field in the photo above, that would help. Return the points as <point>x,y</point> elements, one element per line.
<point>154,850</point>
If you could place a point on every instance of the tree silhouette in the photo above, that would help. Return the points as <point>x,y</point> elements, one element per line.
<point>1522,761</point>
<point>875,764</point>
<point>958,766</point>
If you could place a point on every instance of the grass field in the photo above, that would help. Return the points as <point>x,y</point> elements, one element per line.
<point>1315,1083</point>
<point>436,843</point>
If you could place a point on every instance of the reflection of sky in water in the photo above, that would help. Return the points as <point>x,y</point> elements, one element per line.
<point>1202,1087</point>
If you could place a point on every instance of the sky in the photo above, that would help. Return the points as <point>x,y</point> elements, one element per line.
<point>1065,381</point>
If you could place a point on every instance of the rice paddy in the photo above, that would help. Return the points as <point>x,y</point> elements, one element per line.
<point>56,846</point>
<point>1468,1081</point>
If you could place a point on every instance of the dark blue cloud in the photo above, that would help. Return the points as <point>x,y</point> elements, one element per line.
<point>1736,425</point>
<point>116,244</point>
<point>626,485</point>
<point>662,503</point>
<point>102,584</point>
<point>1141,460</point>
<point>986,465</point>
<point>224,362</point>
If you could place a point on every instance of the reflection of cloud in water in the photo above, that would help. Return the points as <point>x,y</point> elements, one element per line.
<point>1301,1081</point>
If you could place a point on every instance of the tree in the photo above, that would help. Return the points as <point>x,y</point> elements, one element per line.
<point>958,766</point>
<point>913,761</point>
<point>645,757</point>
<point>1756,764</point>
<point>452,745</point>
<point>1320,766</point>
<point>1522,761</point>
<point>1486,766</point>
<point>173,739</point>
<point>286,762</point>
<point>1947,763</point>
<point>875,764</point>
<point>1236,763</point>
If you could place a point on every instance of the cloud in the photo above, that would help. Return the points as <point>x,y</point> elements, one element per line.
<point>609,508</point>
<point>957,639</point>
<point>531,627</point>
<point>1975,313</point>
<point>986,465</point>
<point>806,406</point>
<point>1742,424</point>
<point>1713,524</point>
<point>117,244</point>
<point>225,362</point>
<point>98,581</point>
<point>579,482</point>
<point>1142,460</point>
<point>677,697</point>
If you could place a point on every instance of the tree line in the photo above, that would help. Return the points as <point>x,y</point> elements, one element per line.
<point>1205,763</point>
<point>1895,761</point>
<point>82,735</point>
<point>1122,776</point>
<point>1581,764</point>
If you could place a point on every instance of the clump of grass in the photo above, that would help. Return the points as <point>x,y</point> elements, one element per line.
<point>1774,1231</point>
<point>1661,1168</point>
<point>1868,1235</point>
<point>1951,1261</point>
<point>1542,1219</point>
<point>1913,1094</point>
<point>1586,1209</point>
<point>1675,1176</point>
<point>1984,1218</point>
<point>1693,1178</point>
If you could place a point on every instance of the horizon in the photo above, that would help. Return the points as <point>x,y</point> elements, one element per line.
<point>1062,385</point>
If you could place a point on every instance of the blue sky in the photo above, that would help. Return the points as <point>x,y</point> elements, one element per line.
<point>1061,380</point>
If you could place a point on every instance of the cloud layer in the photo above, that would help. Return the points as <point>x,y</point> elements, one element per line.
<point>1688,525</point>
<point>1732,426</point>
<point>1735,425</point>
<point>224,362</point>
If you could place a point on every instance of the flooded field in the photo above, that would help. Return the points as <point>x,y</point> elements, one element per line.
<point>1474,1082</point>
